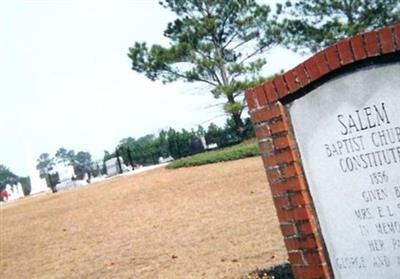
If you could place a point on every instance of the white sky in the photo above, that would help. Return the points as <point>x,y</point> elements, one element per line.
<point>66,80</point>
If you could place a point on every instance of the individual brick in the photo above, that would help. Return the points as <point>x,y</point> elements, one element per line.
<point>270,91</point>
<point>296,258</point>
<point>345,53</point>
<point>300,75</point>
<point>332,57</point>
<point>291,170</point>
<point>290,81</point>
<point>293,214</point>
<point>280,86</point>
<point>385,38</point>
<point>285,215</point>
<point>282,142</point>
<point>266,114</point>
<point>357,45</point>
<point>278,127</point>
<point>260,96</point>
<point>321,63</point>
<point>273,175</point>
<point>276,111</point>
<point>282,202</point>
<point>285,157</point>
<point>397,35</point>
<point>306,228</point>
<point>291,184</point>
<point>371,43</point>
<point>301,243</point>
<point>261,115</point>
<point>301,213</point>
<point>288,229</point>
<point>266,147</point>
<point>312,69</point>
<point>249,94</point>
<point>300,198</point>
<point>309,272</point>
<point>262,132</point>
<point>313,257</point>
<point>253,116</point>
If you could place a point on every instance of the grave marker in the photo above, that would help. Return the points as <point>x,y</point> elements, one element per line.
<point>329,136</point>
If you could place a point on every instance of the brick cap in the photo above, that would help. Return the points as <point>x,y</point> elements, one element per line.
<point>345,52</point>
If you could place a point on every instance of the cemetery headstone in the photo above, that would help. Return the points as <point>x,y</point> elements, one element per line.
<point>65,172</point>
<point>10,192</point>
<point>197,145</point>
<point>20,190</point>
<point>68,178</point>
<point>38,184</point>
<point>329,136</point>
<point>163,160</point>
<point>14,191</point>
<point>115,166</point>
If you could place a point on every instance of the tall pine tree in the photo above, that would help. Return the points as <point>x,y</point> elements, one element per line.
<point>217,42</point>
<point>313,24</point>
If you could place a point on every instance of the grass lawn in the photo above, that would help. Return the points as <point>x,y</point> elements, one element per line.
<point>212,221</point>
<point>239,151</point>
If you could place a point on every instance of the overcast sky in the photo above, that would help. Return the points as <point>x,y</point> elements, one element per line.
<point>66,81</point>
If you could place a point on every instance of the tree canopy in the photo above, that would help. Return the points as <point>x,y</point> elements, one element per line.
<point>313,24</point>
<point>7,177</point>
<point>65,156</point>
<point>83,159</point>
<point>45,163</point>
<point>216,42</point>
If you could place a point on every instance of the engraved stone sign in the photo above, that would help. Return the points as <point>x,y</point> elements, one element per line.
<point>348,135</point>
<point>328,133</point>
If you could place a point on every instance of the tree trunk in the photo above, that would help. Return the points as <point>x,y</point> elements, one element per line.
<point>239,125</point>
<point>236,116</point>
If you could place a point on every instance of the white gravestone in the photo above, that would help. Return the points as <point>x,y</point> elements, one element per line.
<point>348,133</point>
<point>65,172</point>
<point>67,176</point>
<point>20,190</point>
<point>10,191</point>
<point>38,184</point>
<point>17,191</point>
<point>14,191</point>
<point>113,167</point>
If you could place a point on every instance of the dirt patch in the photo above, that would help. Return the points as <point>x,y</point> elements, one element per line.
<point>213,221</point>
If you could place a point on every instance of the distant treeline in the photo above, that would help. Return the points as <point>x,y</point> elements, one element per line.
<point>148,149</point>
<point>145,150</point>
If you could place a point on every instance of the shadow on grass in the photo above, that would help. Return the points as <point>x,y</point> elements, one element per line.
<point>282,271</point>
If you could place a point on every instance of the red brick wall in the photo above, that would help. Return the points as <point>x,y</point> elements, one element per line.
<point>279,152</point>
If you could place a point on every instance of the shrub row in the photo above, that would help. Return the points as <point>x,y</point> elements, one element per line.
<point>242,150</point>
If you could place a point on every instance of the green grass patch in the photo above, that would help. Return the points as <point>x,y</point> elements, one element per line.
<point>239,151</point>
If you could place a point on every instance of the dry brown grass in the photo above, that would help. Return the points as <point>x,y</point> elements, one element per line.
<point>213,221</point>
